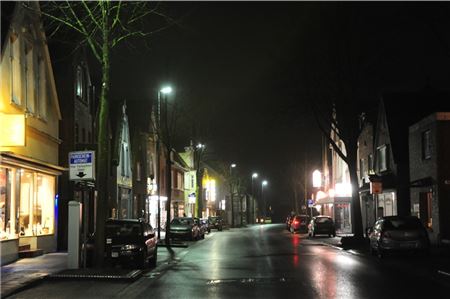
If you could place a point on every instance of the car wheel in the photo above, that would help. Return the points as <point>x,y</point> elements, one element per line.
<point>153,260</point>
<point>140,261</point>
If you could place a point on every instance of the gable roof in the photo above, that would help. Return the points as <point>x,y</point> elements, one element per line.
<point>402,109</point>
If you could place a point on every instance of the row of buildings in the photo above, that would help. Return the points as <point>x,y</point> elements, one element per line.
<point>403,148</point>
<point>48,109</point>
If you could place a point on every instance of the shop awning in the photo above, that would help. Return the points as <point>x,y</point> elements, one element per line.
<point>15,160</point>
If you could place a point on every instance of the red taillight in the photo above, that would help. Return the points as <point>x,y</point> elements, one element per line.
<point>295,222</point>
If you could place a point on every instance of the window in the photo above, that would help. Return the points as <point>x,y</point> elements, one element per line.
<point>42,89</point>
<point>30,78</point>
<point>426,145</point>
<point>192,181</point>
<point>361,168</point>
<point>122,161</point>
<point>17,72</point>
<point>36,208</point>
<point>79,84</point>
<point>382,159</point>
<point>370,163</point>
<point>138,171</point>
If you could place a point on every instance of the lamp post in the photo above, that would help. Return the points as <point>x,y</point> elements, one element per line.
<point>231,194</point>
<point>263,184</point>
<point>164,90</point>
<point>254,176</point>
<point>199,197</point>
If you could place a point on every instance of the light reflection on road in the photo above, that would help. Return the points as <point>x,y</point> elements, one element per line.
<point>330,273</point>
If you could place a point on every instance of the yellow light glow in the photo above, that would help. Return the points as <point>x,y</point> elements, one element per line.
<point>12,129</point>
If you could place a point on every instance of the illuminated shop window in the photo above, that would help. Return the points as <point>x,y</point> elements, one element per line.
<point>7,207</point>
<point>36,211</point>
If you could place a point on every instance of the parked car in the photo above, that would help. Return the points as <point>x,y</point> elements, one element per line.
<point>184,228</point>
<point>322,225</point>
<point>299,223</point>
<point>215,222</point>
<point>398,234</point>
<point>289,220</point>
<point>202,229</point>
<point>130,241</point>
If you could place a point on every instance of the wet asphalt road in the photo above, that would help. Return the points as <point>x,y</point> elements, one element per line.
<point>260,262</point>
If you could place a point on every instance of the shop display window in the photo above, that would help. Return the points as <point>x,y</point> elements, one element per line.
<point>8,219</point>
<point>26,203</point>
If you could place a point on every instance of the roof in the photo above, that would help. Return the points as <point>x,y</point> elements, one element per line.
<point>403,109</point>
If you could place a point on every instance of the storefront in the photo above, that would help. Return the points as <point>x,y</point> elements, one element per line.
<point>28,205</point>
<point>338,208</point>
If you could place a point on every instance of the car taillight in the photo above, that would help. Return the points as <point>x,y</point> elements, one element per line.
<point>295,222</point>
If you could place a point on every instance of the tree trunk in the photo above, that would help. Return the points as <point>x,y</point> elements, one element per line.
<point>356,204</point>
<point>103,150</point>
<point>199,194</point>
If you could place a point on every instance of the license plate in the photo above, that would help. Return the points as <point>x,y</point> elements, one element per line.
<point>114,254</point>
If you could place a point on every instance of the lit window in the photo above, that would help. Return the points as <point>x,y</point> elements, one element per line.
<point>79,90</point>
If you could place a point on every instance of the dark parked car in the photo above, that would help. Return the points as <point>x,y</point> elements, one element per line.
<point>184,228</point>
<point>398,234</point>
<point>215,222</point>
<point>130,241</point>
<point>299,224</point>
<point>321,225</point>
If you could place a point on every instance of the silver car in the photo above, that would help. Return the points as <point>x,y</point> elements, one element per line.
<point>184,228</point>
<point>398,234</point>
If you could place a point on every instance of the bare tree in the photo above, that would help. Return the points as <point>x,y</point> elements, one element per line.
<point>103,25</point>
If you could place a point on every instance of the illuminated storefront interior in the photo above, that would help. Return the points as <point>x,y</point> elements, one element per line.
<point>27,203</point>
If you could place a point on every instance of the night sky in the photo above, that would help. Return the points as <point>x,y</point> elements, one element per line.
<point>241,68</point>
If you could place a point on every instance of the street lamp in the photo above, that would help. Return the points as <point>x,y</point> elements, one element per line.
<point>263,184</point>
<point>165,90</point>
<point>253,200</point>
<point>233,165</point>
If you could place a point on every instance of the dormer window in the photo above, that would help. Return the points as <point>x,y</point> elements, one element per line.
<point>79,84</point>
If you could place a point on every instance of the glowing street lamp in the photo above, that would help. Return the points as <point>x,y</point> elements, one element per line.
<point>164,90</point>
<point>263,184</point>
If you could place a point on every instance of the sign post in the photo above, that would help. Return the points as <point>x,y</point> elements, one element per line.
<point>82,170</point>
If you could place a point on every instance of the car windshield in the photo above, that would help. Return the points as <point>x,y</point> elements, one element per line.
<point>123,232</point>
<point>182,221</point>
<point>323,220</point>
<point>402,223</point>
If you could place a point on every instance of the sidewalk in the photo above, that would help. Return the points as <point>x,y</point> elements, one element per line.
<point>27,272</point>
